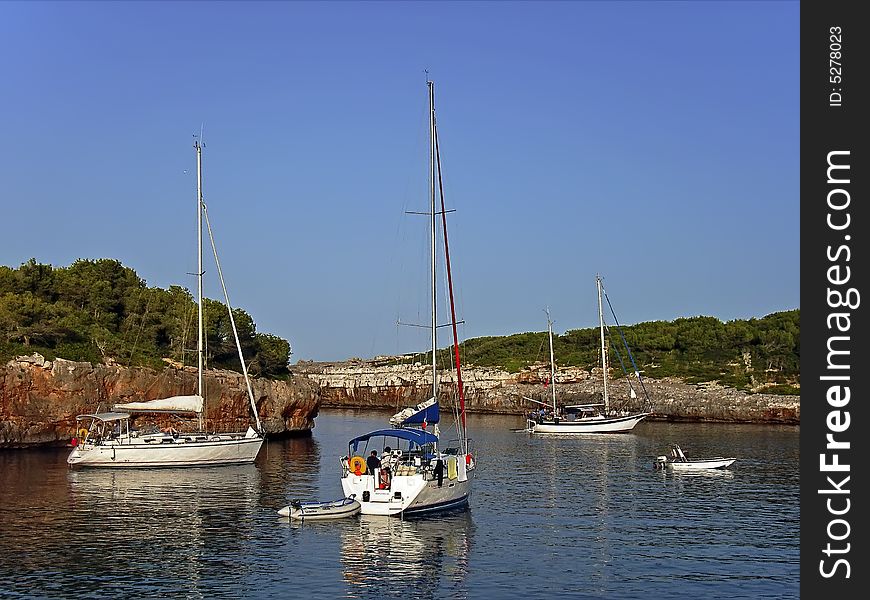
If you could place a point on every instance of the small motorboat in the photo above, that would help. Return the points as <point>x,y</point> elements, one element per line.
<point>317,511</point>
<point>678,461</point>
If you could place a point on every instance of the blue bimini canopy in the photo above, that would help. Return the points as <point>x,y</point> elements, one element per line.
<point>415,436</point>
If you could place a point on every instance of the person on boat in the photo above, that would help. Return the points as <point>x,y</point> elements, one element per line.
<point>438,472</point>
<point>373,462</point>
<point>384,478</point>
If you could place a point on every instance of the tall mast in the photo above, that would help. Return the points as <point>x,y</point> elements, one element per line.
<point>456,360</point>
<point>552,362</point>
<point>432,174</point>
<point>603,347</point>
<point>199,340</point>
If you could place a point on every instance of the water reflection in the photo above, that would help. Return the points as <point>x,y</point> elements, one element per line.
<point>387,557</point>
<point>108,492</point>
<point>173,516</point>
<point>567,517</point>
<point>289,468</point>
<point>701,473</point>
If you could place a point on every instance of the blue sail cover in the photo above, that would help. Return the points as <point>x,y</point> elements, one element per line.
<point>430,414</point>
<point>416,436</point>
<point>422,414</point>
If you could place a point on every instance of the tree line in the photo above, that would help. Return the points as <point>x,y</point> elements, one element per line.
<point>101,311</point>
<point>745,354</point>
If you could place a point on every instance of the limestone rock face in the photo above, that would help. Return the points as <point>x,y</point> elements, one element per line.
<point>39,399</point>
<point>377,384</point>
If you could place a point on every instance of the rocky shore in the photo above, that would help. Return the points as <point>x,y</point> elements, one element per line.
<point>382,385</point>
<point>39,399</point>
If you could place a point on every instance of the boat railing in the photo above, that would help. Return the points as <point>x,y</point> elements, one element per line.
<point>401,463</point>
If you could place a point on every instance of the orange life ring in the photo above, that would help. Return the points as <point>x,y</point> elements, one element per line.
<point>357,465</point>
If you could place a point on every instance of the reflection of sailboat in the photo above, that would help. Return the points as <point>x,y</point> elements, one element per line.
<point>108,439</point>
<point>174,512</point>
<point>416,474</point>
<point>590,418</point>
<point>427,556</point>
<point>110,491</point>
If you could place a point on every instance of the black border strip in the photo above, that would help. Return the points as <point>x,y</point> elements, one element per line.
<point>833,245</point>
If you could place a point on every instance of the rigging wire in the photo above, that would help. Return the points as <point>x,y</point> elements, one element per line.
<point>232,318</point>
<point>398,256</point>
<point>627,348</point>
<point>141,323</point>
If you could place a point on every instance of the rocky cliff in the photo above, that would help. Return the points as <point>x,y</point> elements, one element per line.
<point>40,399</point>
<point>379,384</point>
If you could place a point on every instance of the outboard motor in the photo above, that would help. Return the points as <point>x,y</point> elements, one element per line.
<point>366,496</point>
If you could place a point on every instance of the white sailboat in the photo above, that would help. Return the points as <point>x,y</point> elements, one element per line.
<point>587,418</point>
<point>417,472</point>
<point>108,439</point>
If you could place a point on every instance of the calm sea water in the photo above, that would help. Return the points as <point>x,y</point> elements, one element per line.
<point>584,517</point>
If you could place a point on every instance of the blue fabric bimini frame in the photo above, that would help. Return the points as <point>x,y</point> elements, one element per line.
<point>416,436</point>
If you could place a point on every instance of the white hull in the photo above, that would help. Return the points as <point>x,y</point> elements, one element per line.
<point>589,425</point>
<point>165,451</point>
<point>698,464</point>
<point>408,494</point>
<point>321,511</point>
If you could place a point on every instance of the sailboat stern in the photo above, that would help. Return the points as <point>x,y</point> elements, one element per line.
<point>400,493</point>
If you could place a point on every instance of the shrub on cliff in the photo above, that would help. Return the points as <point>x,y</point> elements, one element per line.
<point>99,310</point>
<point>740,353</point>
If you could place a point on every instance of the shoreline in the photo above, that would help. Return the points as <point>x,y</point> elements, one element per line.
<point>40,399</point>
<point>370,385</point>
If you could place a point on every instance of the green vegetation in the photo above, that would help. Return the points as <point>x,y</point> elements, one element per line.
<point>100,310</point>
<point>744,354</point>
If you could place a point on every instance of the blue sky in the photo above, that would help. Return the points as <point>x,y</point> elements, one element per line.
<point>656,143</point>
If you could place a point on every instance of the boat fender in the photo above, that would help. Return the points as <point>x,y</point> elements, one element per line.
<point>357,465</point>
